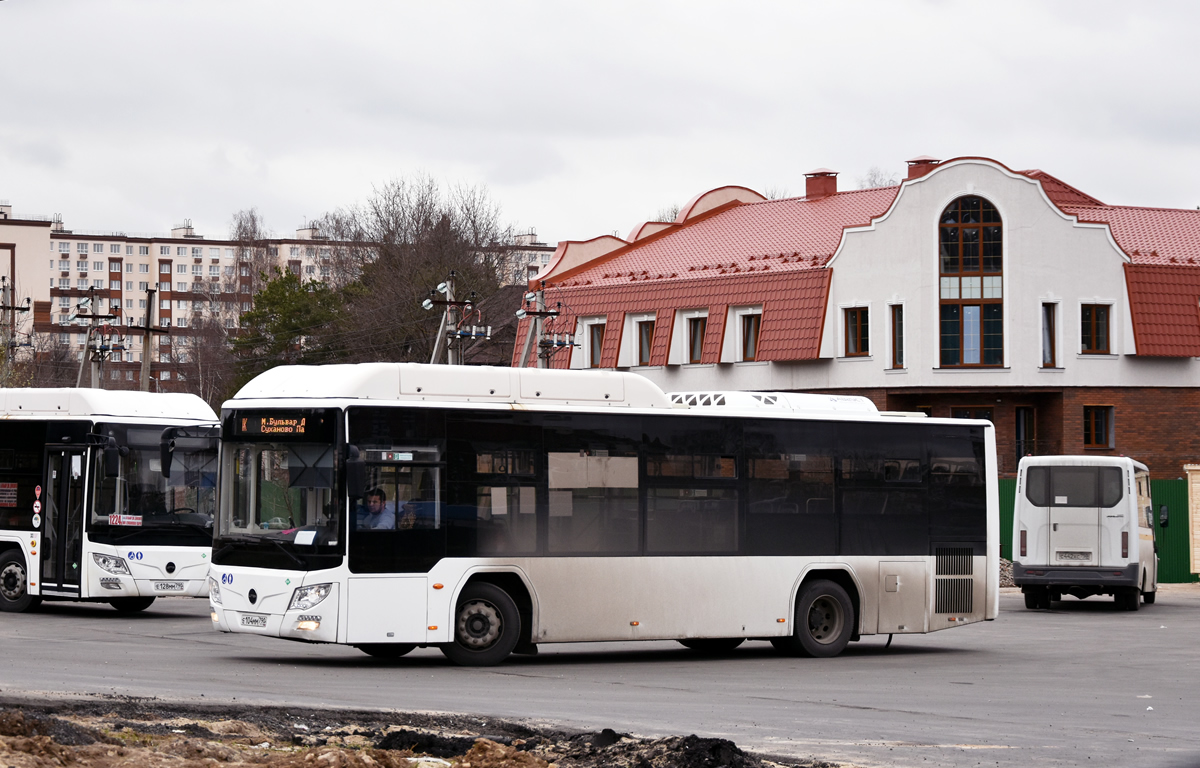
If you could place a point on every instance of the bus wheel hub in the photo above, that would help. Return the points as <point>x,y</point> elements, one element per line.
<point>478,624</point>
<point>12,581</point>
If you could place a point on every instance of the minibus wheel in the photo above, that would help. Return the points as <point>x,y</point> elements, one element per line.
<point>1129,599</point>
<point>131,604</point>
<point>823,624</point>
<point>487,626</point>
<point>386,650</point>
<point>14,584</point>
<point>712,644</point>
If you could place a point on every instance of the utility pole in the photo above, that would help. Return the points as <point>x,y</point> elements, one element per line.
<point>97,355</point>
<point>9,320</point>
<point>148,330</point>
<point>448,327</point>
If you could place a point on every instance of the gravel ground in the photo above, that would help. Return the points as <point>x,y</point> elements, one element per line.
<point>137,733</point>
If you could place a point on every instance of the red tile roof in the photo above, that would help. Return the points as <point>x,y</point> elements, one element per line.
<point>773,236</point>
<point>793,312</point>
<point>1060,192</point>
<point>1148,235</point>
<point>1165,302</point>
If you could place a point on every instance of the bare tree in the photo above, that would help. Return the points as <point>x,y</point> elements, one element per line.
<point>669,213</point>
<point>394,249</point>
<point>777,193</point>
<point>254,251</point>
<point>877,177</point>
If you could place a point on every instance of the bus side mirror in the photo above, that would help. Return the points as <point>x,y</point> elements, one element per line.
<point>356,473</point>
<point>112,459</point>
<point>1162,516</point>
<point>166,454</point>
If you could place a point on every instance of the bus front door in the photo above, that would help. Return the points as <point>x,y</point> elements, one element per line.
<point>62,526</point>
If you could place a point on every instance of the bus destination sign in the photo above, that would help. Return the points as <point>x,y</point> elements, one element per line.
<point>272,425</point>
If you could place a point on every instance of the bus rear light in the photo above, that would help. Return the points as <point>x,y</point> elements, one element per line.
<point>1124,543</point>
<point>1023,538</point>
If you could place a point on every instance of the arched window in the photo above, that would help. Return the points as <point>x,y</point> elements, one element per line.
<point>970,263</point>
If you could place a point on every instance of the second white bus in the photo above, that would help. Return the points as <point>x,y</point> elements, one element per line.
<point>532,506</point>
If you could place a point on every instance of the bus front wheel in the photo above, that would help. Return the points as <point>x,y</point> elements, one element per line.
<point>131,604</point>
<point>14,584</point>
<point>487,626</point>
<point>824,622</point>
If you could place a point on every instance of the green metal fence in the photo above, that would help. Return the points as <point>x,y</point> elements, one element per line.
<point>1174,565</point>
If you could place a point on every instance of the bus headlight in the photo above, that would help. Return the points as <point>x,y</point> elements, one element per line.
<point>306,597</point>
<point>214,590</point>
<point>112,564</point>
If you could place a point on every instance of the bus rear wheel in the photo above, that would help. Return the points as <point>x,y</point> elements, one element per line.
<point>14,584</point>
<point>386,650</point>
<point>131,604</point>
<point>487,626</point>
<point>824,622</point>
<point>712,644</point>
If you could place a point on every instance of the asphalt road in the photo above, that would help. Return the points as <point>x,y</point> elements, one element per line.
<point>1083,684</point>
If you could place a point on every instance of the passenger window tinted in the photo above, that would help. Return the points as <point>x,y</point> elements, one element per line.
<point>691,520</point>
<point>883,489</point>
<point>1074,486</point>
<point>593,485</point>
<point>790,468</point>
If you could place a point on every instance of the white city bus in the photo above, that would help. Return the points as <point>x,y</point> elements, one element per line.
<point>536,506</point>
<point>89,512</point>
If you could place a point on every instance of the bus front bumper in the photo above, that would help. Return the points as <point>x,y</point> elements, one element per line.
<point>1075,576</point>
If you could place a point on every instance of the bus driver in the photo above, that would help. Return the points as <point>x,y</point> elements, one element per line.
<point>376,515</point>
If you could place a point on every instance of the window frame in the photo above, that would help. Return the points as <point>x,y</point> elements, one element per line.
<point>1088,330</point>
<point>1049,334</point>
<point>694,352</point>
<point>952,287</point>
<point>595,344</point>
<point>856,338</point>
<point>644,341</point>
<point>751,335</point>
<point>896,313</point>
<point>1108,412</point>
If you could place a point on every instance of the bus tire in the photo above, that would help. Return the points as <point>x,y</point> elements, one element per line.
<point>14,584</point>
<point>131,604</point>
<point>386,650</point>
<point>823,624</point>
<point>712,644</point>
<point>487,626</point>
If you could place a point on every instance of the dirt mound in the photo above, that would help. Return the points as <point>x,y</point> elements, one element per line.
<point>150,734</point>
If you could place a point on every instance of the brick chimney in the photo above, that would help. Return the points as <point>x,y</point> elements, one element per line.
<point>919,166</point>
<point>820,183</point>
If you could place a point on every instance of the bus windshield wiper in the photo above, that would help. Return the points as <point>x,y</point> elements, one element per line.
<point>283,548</point>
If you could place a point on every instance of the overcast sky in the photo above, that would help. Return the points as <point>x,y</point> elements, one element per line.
<point>579,118</point>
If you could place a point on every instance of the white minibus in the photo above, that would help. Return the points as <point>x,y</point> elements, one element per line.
<point>1083,526</point>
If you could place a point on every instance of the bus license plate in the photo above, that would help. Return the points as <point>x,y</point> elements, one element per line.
<point>254,620</point>
<point>168,586</point>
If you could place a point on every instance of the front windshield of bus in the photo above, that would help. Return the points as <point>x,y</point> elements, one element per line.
<point>282,491</point>
<point>142,502</point>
